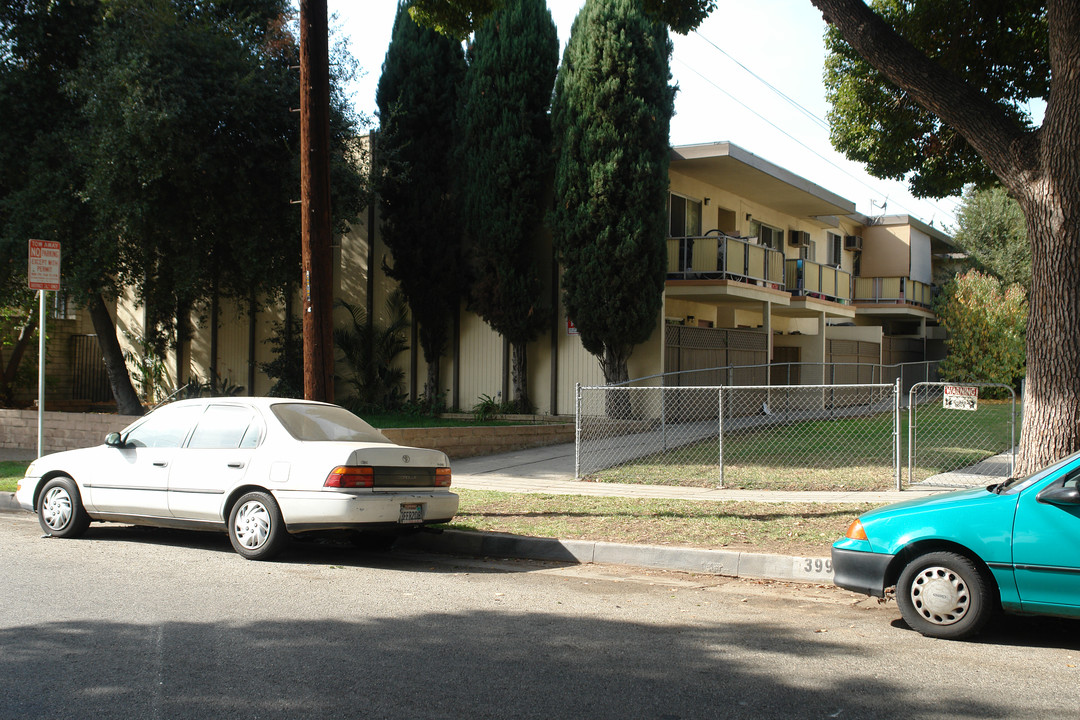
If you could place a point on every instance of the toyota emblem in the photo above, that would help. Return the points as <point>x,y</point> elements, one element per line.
<point>405,459</point>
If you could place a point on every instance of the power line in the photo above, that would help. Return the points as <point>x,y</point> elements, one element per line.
<point>795,104</point>
<point>823,124</point>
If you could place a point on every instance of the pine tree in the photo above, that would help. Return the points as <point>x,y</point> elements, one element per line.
<point>611,115</point>
<point>416,97</point>
<point>505,161</point>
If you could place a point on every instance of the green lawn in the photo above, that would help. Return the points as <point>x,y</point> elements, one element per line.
<point>10,473</point>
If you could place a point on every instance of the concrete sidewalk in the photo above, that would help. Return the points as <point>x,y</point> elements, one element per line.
<point>550,470</point>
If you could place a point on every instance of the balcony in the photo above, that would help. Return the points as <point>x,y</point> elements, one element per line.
<point>721,257</point>
<point>804,278</point>
<point>893,291</point>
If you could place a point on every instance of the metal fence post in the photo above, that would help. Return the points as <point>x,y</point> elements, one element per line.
<point>577,431</point>
<point>720,432</point>
<point>1012,436</point>
<point>911,435</point>
<point>896,434</point>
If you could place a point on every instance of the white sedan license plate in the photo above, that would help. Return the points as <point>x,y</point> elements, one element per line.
<point>411,513</point>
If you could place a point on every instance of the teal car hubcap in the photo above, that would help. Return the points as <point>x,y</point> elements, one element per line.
<point>940,596</point>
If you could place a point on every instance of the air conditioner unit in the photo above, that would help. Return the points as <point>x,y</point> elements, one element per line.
<point>853,242</point>
<point>799,238</point>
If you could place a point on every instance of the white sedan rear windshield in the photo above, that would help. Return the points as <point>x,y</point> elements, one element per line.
<point>320,423</point>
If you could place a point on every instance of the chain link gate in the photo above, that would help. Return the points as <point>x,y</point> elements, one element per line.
<point>956,439</point>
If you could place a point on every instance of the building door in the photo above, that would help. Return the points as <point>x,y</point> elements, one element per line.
<point>785,368</point>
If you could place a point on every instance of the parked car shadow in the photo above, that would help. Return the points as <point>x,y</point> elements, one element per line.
<point>318,550</point>
<point>1023,631</point>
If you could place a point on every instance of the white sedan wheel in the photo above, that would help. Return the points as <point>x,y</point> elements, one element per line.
<point>256,529</point>
<point>252,525</point>
<point>56,508</point>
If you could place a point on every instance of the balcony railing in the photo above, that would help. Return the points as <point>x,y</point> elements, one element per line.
<point>893,290</point>
<point>809,279</point>
<point>721,257</point>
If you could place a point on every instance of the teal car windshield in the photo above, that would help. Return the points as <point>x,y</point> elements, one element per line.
<point>1015,485</point>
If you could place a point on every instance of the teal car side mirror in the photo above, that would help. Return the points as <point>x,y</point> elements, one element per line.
<point>113,439</point>
<point>1067,495</point>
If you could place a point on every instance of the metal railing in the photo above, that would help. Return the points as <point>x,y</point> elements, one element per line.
<point>797,373</point>
<point>892,290</point>
<point>722,257</point>
<point>806,277</point>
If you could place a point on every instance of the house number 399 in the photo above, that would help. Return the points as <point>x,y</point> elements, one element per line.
<point>817,565</point>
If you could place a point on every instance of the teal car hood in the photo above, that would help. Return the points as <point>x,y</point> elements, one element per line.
<point>976,519</point>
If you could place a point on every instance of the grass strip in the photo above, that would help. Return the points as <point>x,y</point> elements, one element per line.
<point>803,529</point>
<point>11,471</point>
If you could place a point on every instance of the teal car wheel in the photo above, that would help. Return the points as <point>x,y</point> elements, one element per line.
<point>944,595</point>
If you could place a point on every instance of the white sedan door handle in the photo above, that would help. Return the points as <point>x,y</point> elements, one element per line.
<point>161,463</point>
<point>236,465</point>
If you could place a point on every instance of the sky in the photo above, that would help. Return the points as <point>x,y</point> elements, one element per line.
<point>781,42</point>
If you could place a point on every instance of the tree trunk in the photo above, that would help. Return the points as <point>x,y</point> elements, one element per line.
<point>1041,169</point>
<point>127,402</point>
<point>519,366</point>
<point>11,369</point>
<point>1051,426</point>
<point>613,363</point>
<point>431,385</point>
<point>215,310</point>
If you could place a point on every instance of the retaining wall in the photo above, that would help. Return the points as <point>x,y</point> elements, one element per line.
<point>63,431</point>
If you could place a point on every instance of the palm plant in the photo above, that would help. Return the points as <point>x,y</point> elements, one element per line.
<point>369,350</point>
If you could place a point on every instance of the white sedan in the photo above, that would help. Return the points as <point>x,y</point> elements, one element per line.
<point>261,469</point>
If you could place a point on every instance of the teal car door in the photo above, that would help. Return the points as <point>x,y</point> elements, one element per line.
<point>1046,545</point>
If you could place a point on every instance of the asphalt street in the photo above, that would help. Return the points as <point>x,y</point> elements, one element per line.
<point>148,623</point>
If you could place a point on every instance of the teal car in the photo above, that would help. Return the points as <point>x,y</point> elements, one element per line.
<point>952,560</point>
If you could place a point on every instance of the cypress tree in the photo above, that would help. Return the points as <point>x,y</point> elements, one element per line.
<point>611,114</point>
<point>416,97</point>
<point>505,162</point>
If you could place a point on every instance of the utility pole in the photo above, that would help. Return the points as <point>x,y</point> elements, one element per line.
<point>317,281</point>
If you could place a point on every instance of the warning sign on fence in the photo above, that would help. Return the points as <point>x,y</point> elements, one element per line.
<point>961,397</point>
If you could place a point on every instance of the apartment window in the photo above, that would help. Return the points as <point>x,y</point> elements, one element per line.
<point>836,247</point>
<point>684,216</point>
<point>809,252</point>
<point>767,235</point>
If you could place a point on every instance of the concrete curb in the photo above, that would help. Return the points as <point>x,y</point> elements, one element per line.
<point>712,562</point>
<point>8,504</point>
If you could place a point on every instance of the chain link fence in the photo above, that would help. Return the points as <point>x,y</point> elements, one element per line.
<point>794,437</point>
<point>961,435</point>
<point>747,436</point>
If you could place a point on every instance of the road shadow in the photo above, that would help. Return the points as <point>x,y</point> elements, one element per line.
<point>480,664</point>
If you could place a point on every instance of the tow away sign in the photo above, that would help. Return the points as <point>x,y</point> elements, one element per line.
<point>44,269</point>
<point>961,397</point>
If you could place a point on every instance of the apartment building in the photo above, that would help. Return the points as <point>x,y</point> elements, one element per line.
<point>767,272</point>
